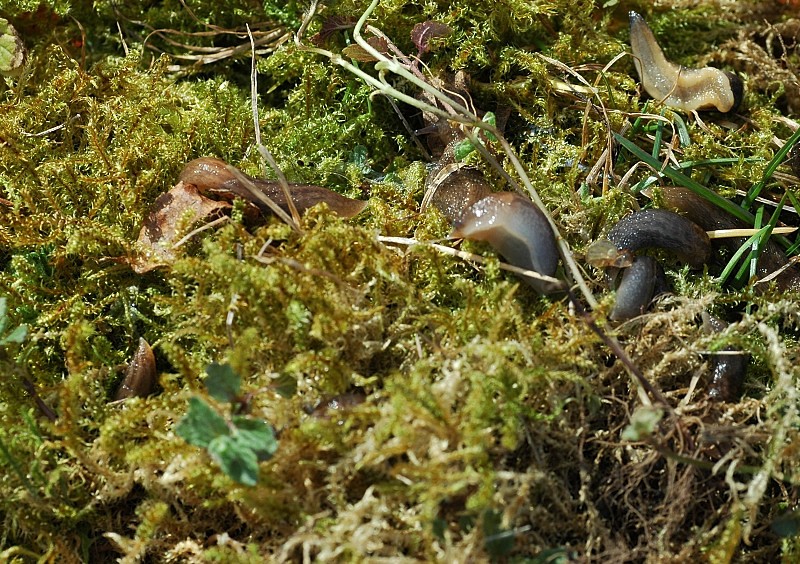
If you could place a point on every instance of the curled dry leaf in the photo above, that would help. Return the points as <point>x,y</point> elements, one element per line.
<point>359,54</point>
<point>172,215</point>
<point>423,32</point>
<point>140,380</point>
<point>331,26</point>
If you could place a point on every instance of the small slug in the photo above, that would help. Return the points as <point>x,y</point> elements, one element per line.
<point>516,229</point>
<point>635,290</point>
<point>711,217</point>
<point>727,370</point>
<point>211,176</point>
<point>453,189</point>
<point>666,230</point>
<point>677,86</point>
<point>140,380</point>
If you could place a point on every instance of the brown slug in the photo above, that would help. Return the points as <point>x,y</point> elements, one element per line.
<point>453,189</point>
<point>677,86</point>
<point>212,176</point>
<point>635,290</point>
<point>727,370</point>
<point>663,229</point>
<point>710,217</point>
<point>140,379</point>
<point>516,229</point>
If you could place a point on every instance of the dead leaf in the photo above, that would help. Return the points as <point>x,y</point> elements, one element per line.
<point>331,26</point>
<point>172,216</point>
<point>359,54</point>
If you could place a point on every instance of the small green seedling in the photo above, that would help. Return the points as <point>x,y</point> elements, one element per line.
<point>16,335</point>
<point>237,443</point>
<point>12,51</point>
<point>465,146</point>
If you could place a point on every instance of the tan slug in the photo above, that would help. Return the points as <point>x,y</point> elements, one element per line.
<point>516,229</point>
<point>211,176</point>
<point>677,86</point>
<point>140,379</point>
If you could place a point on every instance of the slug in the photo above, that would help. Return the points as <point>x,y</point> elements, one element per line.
<point>636,289</point>
<point>211,176</point>
<point>666,230</point>
<point>516,229</point>
<point>140,380</point>
<point>711,217</point>
<point>453,189</point>
<point>677,86</point>
<point>727,370</point>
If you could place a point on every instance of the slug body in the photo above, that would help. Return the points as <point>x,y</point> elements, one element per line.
<point>727,370</point>
<point>636,289</point>
<point>454,191</point>
<point>666,230</point>
<point>516,229</point>
<point>212,176</point>
<point>710,217</point>
<point>675,85</point>
<point>140,379</point>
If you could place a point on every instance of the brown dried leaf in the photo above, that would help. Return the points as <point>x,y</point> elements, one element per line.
<point>330,26</point>
<point>423,32</point>
<point>173,213</point>
<point>359,54</point>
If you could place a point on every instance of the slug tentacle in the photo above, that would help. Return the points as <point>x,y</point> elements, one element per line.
<point>666,230</point>
<point>675,85</point>
<point>211,176</point>
<point>516,229</point>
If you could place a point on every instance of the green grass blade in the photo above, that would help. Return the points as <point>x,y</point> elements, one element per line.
<point>773,165</point>
<point>686,182</point>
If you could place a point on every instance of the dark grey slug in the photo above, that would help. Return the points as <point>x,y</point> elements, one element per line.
<point>711,217</point>
<point>636,289</point>
<point>665,230</point>
<point>516,229</point>
<point>727,370</point>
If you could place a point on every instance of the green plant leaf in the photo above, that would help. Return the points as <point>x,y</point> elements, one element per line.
<point>236,460</point>
<point>255,434</point>
<point>16,336</point>
<point>12,52</point>
<point>201,424</point>
<point>643,424</point>
<point>462,149</point>
<point>222,382</point>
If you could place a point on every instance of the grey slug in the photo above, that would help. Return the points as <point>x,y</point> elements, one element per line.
<point>516,229</point>
<point>675,85</point>
<point>665,230</point>
<point>636,289</point>
<point>211,176</point>
<point>710,217</point>
<point>727,370</point>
